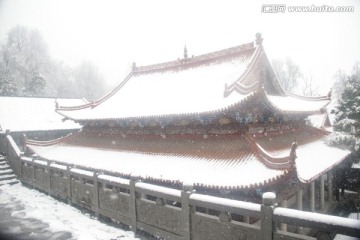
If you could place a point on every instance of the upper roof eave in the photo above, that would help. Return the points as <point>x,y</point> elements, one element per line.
<point>305,111</point>
<point>158,67</point>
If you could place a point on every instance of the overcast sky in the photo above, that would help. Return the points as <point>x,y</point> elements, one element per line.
<point>113,34</point>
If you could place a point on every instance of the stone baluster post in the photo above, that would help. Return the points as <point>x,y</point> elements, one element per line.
<point>69,194</point>
<point>133,197</point>
<point>186,210</point>
<point>299,204</point>
<point>47,168</point>
<point>283,226</point>
<point>267,209</point>
<point>96,197</point>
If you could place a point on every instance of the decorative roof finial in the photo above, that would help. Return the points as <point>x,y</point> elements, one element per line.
<point>258,39</point>
<point>293,150</point>
<point>185,52</point>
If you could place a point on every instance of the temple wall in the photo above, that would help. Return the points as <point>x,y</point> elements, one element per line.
<point>165,212</point>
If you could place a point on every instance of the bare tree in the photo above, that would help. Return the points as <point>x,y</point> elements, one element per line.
<point>308,86</point>
<point>288,73</point>
<point>89,82</point>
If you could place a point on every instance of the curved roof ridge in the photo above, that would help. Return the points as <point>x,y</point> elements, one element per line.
<point>240,88</point>
<point>250,66</point>
<point>283,163</point>
<point>93,104</point>
<point>50,142</point>
<point>309,98</point>
<point>194,59</point>
<point>273,106</point>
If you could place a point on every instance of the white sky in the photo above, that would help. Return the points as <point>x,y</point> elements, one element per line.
<point>113,34</point>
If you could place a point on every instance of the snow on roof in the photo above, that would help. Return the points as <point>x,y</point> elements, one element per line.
<point>31,114</point>
<point>315,158</point>
<point>294,104</point>
<point>196,89</point>
<point>316,120</point>
<point>231,173</point>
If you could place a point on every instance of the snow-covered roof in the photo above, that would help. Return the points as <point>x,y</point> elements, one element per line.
<point>226,161</point>
<point>216,173</point>
<point>209,83</point>
<point>293,104</point>
<point>186,86</point>
<point>316,158</point>
<point>31,114</point>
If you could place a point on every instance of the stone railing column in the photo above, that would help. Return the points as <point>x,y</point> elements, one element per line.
<point>267,209</point>
<point>49,177</point>
<point>68,175</point>
<point>96,197</point>
<point>33,183</point>
<point>299,204</point>
<point>133,197</point>
<point>283,226</point>
<point>186,211</point>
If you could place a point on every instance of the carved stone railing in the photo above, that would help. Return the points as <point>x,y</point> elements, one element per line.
<point>166,212</point>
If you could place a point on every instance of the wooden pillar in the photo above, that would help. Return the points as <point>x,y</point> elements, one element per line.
<point>330,185</point>
<point>312,196</point>
<point>283,226</point>
<point>299,197</point>
<point>299,204</point>
<point>322,192</point>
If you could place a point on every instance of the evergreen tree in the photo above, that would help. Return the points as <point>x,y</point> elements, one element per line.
<point>347,121</point>
<point>7,83</point>
<point>36,85</point>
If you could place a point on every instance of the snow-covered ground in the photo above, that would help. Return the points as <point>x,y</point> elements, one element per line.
<point>30,214</point>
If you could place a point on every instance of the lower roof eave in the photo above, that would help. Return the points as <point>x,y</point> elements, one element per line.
<point>165,169</point>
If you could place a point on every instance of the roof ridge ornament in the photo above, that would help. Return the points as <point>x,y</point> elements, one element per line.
<point>258,39</point>
<point>293,150</point>
<point>185,52</point>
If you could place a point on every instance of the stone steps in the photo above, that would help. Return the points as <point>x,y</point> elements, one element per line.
<point>10,182</point>
<point>4,167</point>
<point>7,175</point>
<point>6,172</point>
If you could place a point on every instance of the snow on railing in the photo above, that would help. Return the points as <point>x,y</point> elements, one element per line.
<point>14,147</point>
<point>171,194</point>
<point>112,179</point>
<point>225,205</point>
<point>319,221</point>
